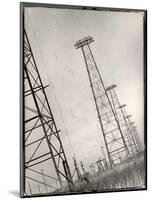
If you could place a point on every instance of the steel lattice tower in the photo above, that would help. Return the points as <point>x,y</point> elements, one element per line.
<point>116,146</point>
<point>42,144</point>
<point>119,111</point>
<point>130,125</point>
<point>135,133</point>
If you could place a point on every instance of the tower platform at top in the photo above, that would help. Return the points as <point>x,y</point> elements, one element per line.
<point>84,41</point>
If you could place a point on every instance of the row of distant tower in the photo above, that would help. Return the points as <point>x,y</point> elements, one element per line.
<point>119,132</point>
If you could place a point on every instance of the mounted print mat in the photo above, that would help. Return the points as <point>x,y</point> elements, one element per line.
<point>83,99</point>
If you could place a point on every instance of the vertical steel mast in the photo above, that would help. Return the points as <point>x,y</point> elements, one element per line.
<point>113,137</point>
<point>43,146</point>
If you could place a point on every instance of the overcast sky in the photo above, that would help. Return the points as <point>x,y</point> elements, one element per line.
<point>118,51</point>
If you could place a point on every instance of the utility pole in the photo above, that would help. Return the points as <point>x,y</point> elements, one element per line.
<point>109,124</point>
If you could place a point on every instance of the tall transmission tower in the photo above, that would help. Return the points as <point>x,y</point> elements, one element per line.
<point>42,143</point>
<point>114,140</point>
<point>120,114</point>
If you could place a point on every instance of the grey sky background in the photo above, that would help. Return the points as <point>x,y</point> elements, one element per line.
<point>118,51</point>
